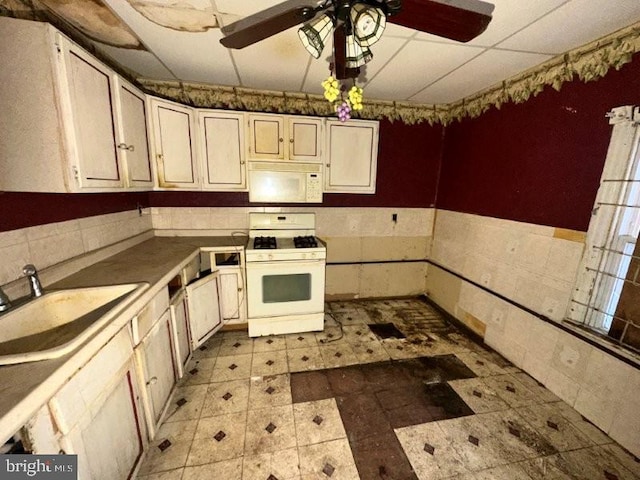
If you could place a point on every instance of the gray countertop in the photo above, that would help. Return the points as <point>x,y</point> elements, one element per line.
<point>24,388</point>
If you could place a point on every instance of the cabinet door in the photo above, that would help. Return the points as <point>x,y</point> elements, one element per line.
<point>222,151</point>
<point>133,146</point>
<point>92,109</point>
<point>155,357</point>
<point>231,296</point>
<point>352,156</point>
<point>180,323</point>
<point>109,444</point>
<point>266,136</point>
<point>174,145</point>
<point>305,139</point>
<point>203,302</point>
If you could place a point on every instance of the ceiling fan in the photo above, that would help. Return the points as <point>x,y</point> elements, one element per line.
<point>357,24</point>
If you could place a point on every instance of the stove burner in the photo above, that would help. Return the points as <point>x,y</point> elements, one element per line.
<point>260,243</point>
<point>308,241</point>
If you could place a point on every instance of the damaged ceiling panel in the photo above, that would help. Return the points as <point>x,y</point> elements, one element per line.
<point>183,16</point>
<point>188,55</point>
<point>94,20</point>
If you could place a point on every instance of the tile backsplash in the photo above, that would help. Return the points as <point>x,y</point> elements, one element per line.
<point>371,252</point>
<point>47,245</point>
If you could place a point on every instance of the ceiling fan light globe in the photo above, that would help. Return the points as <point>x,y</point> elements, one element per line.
<point>313,35</point>
<point>356,55</point>
<point>368,23</point>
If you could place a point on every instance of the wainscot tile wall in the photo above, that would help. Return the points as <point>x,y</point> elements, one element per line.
<point>534,266</point>
<point>369,254</point>
<point>59,249</point>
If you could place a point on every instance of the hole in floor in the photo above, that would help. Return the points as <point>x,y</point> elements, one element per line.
<point>386,330</point>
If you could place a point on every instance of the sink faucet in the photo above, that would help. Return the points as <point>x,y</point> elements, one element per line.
<point>34,282</point>
<point>5,303</point>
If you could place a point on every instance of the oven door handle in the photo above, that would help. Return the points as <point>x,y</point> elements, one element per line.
<point>280,263</point>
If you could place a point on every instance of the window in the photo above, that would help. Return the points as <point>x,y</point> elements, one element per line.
<point>607,294</point>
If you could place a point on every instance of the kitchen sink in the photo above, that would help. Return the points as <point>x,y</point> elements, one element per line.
<point>60,321</point>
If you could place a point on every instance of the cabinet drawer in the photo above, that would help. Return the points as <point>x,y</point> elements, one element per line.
<point>92,381</point>
<point>149,315</point>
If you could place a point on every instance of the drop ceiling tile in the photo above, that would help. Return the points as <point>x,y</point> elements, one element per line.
<point>383,51</point>
<point>393,30</point>
<point>417,65</point>
<point>485,70</point>
<point>318,70</point>
<point>575,23</point>
<point>141,62</point>
<point>276,63</point>
<point>194,57</point>
<point>509,16</point>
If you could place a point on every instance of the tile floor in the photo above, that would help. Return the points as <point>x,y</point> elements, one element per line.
<point>397,393</point>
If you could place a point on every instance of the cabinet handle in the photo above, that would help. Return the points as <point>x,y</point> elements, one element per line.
<point>152,381</point>
<point>124,146</point>
<point>242,162</point>
<point>280,140</point>
<point>328,165</point>
<point>291,140</point>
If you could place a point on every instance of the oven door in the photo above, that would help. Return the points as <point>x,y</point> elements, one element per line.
<point>285,288</point>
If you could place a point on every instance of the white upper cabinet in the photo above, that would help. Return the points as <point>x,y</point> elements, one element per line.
<point>174,145</point>
<point>279,137</point>
<point>352,154</point>
<point>305,138</point>
<point>92,112</point>
<point>77,127</point>
<point>222,152</point>
<point>133,141</point>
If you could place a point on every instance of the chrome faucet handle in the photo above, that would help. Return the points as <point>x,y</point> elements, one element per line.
<point>5,303</point>
<point>34,282</point>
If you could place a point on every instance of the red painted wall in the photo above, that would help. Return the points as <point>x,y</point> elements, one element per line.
<point>20,210</point>
<point>540,161</point>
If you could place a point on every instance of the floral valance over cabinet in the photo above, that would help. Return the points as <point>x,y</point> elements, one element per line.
<point>589,62</point>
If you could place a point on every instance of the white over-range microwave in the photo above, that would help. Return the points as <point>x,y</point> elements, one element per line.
<point>285,182</point>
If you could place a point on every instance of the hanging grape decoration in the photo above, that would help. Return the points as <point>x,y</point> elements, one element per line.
<point>334,93</point>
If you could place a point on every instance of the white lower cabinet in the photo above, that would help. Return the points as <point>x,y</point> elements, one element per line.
<point>204,308</point>
<point>232,296</point>
<point>156,368</point>
<point>98,416</point>
<point>180,325</point>
<point>229,263</point>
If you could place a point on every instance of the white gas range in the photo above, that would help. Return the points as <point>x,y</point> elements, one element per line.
<point>285,265</point>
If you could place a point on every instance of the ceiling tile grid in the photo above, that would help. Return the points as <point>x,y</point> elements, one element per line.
<point>183,43</point>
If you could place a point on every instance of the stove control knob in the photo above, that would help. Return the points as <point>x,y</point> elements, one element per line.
<point>270,256</point>
<point>313,255</point>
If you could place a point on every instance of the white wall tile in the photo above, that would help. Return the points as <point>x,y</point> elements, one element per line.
<point>14,257</point>
<point>563,386</point>
<point>571,356</point>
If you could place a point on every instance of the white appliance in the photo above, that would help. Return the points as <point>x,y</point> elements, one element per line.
<point>285,182</point>
<point>285,264</point>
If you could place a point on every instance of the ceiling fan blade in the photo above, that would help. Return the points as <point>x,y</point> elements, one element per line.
<point>460,20</point>
<point>266,23</point>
